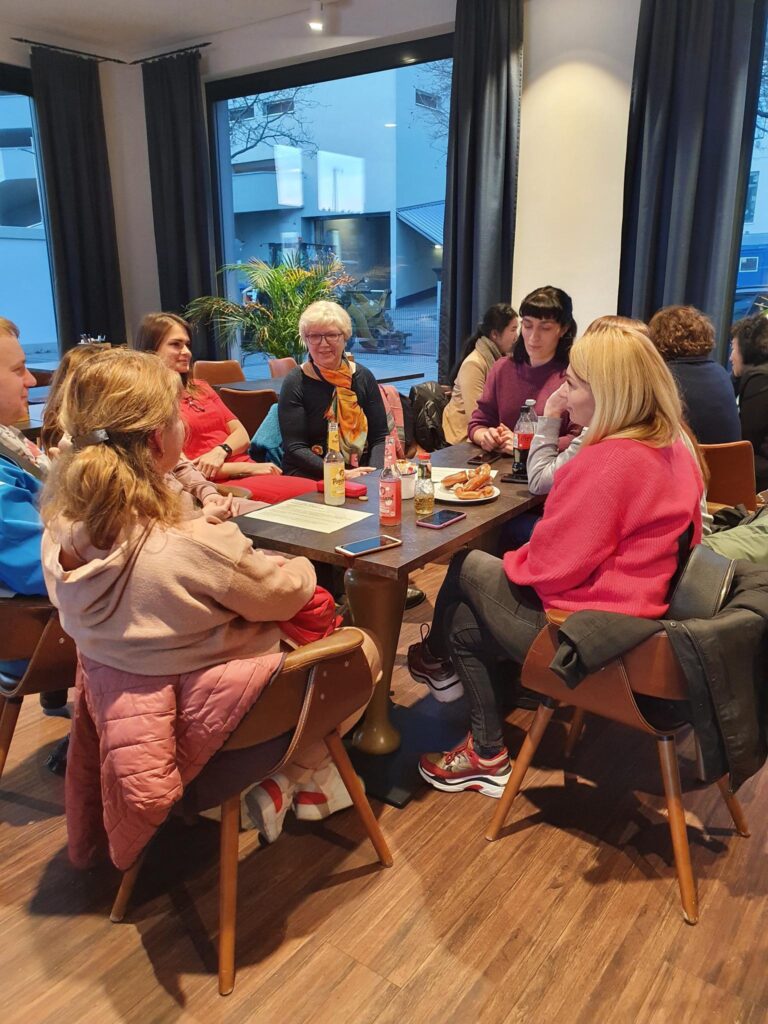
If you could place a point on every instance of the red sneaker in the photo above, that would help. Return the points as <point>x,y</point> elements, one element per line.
<point>461,769</point>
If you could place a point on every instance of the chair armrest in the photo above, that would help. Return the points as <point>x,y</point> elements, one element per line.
<point>556,616</point>
<point>236,492</point>
<point>343,641</point>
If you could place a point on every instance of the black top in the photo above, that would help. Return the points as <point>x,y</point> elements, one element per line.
<point>709,404</point>
<point>753,408</point>
<point>301,409</point>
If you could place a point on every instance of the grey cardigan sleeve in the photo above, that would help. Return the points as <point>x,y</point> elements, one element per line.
<point>544,460</point>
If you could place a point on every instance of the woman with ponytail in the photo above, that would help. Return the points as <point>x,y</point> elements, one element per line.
<point>495,337</point>
<point>179,622</point>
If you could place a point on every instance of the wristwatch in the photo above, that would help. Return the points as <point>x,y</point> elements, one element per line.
<point>226,447</point>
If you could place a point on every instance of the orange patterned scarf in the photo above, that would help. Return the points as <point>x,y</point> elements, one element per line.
<point>345,409</point>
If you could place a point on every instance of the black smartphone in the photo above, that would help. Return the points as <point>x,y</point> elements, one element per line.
<point>367,547</point>
<point>438,520</point>
<point>513,478</point>
<point>483,458</point>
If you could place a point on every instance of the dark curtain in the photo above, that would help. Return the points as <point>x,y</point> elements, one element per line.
<point>178,169</point>
<point>481,186</point>
<point>81,219</point>
<point>696,82</point>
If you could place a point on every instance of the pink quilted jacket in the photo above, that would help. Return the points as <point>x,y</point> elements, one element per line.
<point>137,741</point>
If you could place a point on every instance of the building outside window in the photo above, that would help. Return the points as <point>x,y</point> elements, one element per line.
<point>353,166</point>
<point>26,294</point>
<point>752,278</point>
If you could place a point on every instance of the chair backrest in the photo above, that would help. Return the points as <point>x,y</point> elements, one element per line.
<point>219,371</point>
<point>30,631</point>
<point>318,687</point>
<point>650,669</point>
<point>731,473</point>
<point>250,407</point>
<point>282,367</point>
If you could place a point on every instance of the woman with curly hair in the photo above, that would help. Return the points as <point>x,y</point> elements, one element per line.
<point>685,337</point>
<point>749,359</point>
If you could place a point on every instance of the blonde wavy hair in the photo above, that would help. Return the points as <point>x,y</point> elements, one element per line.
<point>635,394</point>
<point>110,487</point>
<point>324,314</point>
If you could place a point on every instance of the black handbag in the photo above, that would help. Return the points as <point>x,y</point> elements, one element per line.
<point>702,586</point>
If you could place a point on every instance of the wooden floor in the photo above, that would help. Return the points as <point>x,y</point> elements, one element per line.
<point>573,916</point>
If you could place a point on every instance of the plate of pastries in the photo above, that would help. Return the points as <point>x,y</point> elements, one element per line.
<point>467,487</point>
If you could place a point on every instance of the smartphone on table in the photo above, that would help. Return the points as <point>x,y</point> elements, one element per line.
<point>440,519</point>
<point>514,478</point>
<point>368,546</point>
<point>483,458</point>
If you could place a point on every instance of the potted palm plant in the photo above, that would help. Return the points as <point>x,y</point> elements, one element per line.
<point>269,322</point>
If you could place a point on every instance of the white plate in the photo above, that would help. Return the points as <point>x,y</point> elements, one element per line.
<point>447,496</point>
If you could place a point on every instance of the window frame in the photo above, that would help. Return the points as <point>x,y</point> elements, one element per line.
<point>313,72</point>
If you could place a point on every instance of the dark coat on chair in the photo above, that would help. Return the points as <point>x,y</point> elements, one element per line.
<point>724,660</point>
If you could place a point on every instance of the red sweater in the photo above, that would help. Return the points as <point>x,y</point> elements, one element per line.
<point>608,537</point>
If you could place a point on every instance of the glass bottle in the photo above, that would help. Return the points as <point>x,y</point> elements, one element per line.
<point>390,487</point>
<point>424,495</point>
<point>333,468</point>
<point>523,435</point>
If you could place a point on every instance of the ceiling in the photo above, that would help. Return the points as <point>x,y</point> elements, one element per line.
<point>137,27</point>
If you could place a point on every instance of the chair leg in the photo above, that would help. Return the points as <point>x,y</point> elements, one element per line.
<point>230,826</point>
<point>733,805</point>
<point>9,715</point>
<point>125,891</point>
<point>532,739</point>
<point>359,799</point>
<point>671,777</point>
<point>575,730</point>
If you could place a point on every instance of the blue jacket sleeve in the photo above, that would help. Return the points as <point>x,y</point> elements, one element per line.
<point>21,531</point>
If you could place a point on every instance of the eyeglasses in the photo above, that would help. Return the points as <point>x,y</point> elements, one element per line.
<point>330,336</point>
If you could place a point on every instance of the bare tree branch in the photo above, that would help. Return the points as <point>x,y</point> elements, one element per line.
<point>271,118</point>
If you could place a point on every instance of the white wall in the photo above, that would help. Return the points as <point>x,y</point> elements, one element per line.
<point>575,107</point>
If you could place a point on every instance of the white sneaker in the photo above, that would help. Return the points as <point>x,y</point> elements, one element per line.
<point>323,795</point>
<point>265,805</point>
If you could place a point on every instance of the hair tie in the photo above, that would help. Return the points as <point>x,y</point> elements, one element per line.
<point>94,437</point>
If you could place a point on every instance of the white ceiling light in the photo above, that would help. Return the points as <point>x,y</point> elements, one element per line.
<point>316,17</point>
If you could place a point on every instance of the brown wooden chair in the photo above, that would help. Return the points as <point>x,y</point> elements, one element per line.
<point>616,692</point>
<point>731,473</point>
<point>319,686</point>
<point>282,367</point>
<point>217,371</point>
<point>250,407</point>
<point>30,631</point>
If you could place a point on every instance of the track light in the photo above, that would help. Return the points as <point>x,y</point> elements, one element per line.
<point>316,18</point>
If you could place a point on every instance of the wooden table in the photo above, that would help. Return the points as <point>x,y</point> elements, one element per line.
<point>376,584</point>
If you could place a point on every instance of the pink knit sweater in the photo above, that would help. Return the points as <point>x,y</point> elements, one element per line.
<point>608,537</point>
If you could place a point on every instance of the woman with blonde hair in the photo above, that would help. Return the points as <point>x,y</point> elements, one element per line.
<point>154,600</point>
<point>608,540</point>
<point>330,386</point>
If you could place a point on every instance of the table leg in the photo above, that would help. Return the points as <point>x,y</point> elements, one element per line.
<point>377,604</point>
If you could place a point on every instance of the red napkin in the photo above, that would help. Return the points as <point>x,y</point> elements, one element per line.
<point>352,489</point>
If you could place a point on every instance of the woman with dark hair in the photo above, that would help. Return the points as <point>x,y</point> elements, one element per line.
<point>535,369</point>
<point>216,441</point>
<point>685,337</point>
<point>749,361</point>
<point>495,336</point>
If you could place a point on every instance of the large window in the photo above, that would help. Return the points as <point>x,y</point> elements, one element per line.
<point>752,277</point>
<point>347,163</point>
<point>26,295</point>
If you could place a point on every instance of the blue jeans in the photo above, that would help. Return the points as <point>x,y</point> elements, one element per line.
<point>481,617</point>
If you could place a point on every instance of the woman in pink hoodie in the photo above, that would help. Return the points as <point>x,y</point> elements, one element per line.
<point>145,591</point>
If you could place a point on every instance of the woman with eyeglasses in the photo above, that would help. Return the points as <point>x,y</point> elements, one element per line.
<point>216,441</point>
<point>330,386</point>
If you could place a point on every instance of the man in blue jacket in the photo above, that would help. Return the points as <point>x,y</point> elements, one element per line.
<point>20,525</point>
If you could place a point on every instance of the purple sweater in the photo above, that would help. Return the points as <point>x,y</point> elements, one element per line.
<point>507,387</point>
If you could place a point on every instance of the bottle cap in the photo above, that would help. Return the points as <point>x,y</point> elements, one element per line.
<point>424,456</point>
